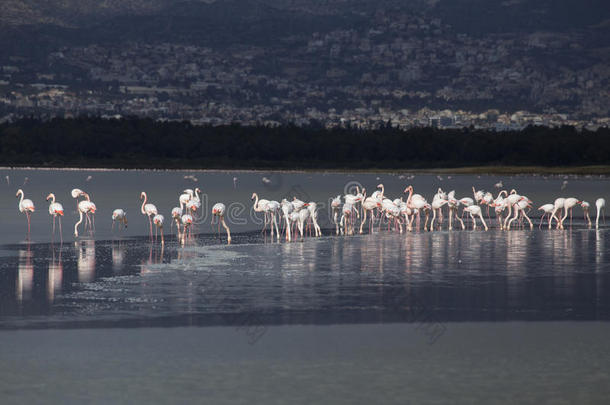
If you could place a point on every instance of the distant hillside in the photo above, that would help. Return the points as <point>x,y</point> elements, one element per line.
<point>71,13</point>
<point>301,60</point>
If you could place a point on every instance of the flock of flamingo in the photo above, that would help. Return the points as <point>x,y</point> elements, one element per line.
<point>401,214</point>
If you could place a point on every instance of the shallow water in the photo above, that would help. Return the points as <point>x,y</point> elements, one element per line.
<point>421,277</point>
<point>111,189</point>
<point>410,299</point>
<point>122,279</point>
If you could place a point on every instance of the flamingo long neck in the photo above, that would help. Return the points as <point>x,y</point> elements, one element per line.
<point>500,193</point>
<point>144,203</point>
<point>197,194</point>
<point>52,198</point>
<point>410,195</point>
<point>382,191</point>
<point>255,202</point>
<point>599,208</point>
<point>80,213</point>
<point>21,199</point>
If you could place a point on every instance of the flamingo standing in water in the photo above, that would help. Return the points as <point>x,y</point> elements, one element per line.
<point>25,205</point>
<point>84,207</point>
<point>368,208</point>
<point>475,210</point>
<point>557,206</point>
<point>585,209</point>
<point>453,204</point>
<point>158,221</point>
<point>304,215</point>
<point>512,199</point>
<point>219,210</point>
<point>148,209</point>
<point>176,215</point>
<point>294,221</point>
<point>260,205</point>
<point>56,210</point>
<point>568,205</point>
<point>313,216</point>
<point>287,209</point>
<point>187,222</point>
<point>520,207</point>
<point>487,200</point>
<point>335,205</point>
<point>437,206</point>
<point>346,219</point>
<point>547,209</point>
<point>273,209</point>
<point>600,204</point>
<point>119,215</point>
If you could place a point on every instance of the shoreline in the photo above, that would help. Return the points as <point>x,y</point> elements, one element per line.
<point>462,170</point>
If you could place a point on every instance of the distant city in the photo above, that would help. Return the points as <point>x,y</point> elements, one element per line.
<point>384,66</point>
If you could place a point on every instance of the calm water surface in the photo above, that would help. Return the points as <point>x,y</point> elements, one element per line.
<point>109,279</point>
<point>442,317</point>
<point>457,276</point>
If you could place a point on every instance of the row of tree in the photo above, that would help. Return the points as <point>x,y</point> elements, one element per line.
<point>140,142</point>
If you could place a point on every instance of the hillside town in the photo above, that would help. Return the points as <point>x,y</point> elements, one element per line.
<point>402,70</point>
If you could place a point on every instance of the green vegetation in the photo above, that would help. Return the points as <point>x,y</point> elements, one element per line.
<point>144,143</point>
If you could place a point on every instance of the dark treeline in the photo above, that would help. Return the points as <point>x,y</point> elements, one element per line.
<point>136,142</point>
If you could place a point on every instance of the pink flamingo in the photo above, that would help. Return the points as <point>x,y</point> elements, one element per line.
<point>547,209</point>
<point>119,216</point>
<point>219,210</point>
<point>475,210</point>
<point>600,204</point>
<point>27,206</point>
<point>187,222</point>
<point>158,221</point>
<point>56,210</point>
<point>569,205</point>
<point>149,210</point>
<point>585,209</point>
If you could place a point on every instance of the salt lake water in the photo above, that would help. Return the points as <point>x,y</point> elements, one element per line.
<point>414,306</point>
